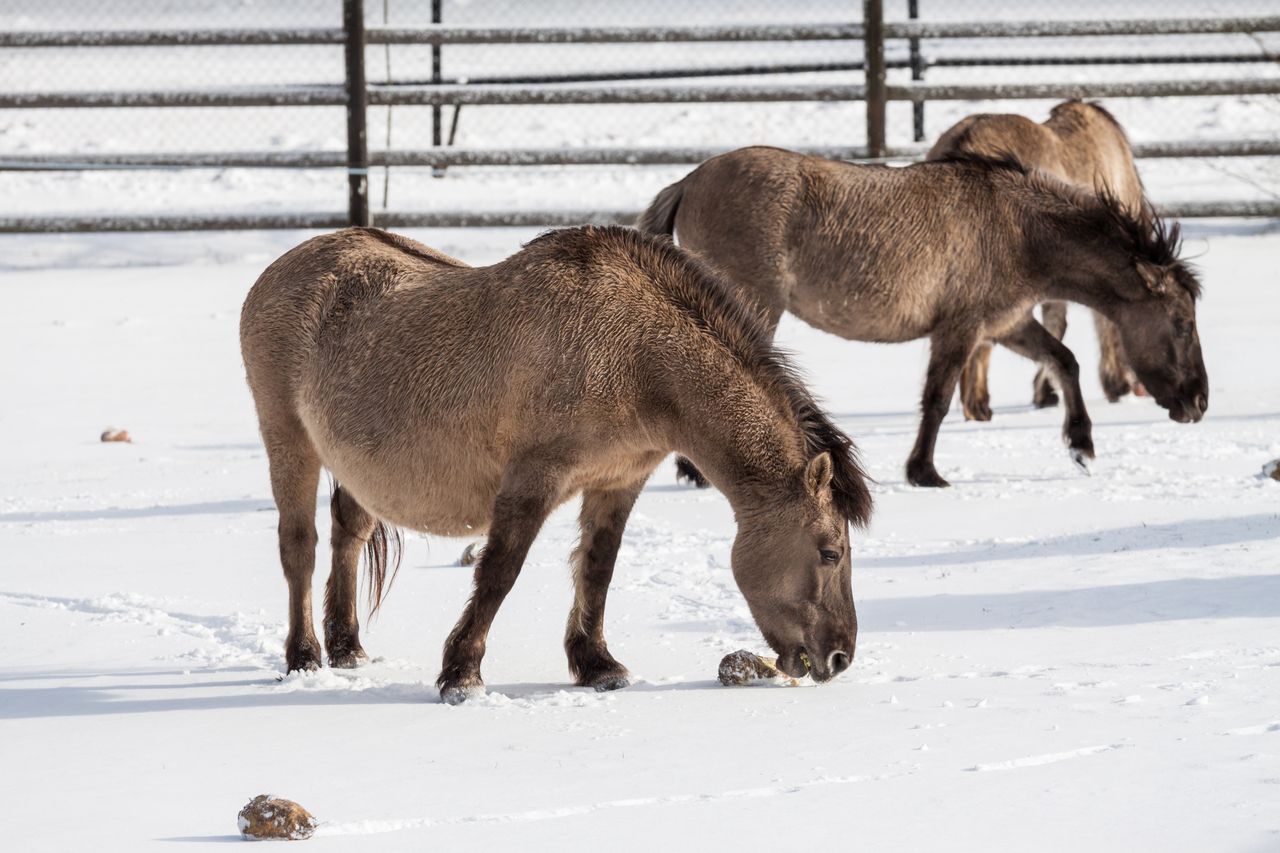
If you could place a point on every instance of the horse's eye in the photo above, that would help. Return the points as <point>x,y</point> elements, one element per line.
<point>829,556</point>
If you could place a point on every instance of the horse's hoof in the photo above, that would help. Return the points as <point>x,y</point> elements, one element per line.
<point>926,477</point>
<point>456,694</point>
<point>977,411</point>
<point>1113,391</point>
<point>304,657</point>
<point>686,470</point>
<point>1081,460</point>
<point>1045,399</point>
<point>471,553</point>
<point>603,682</point>
<point>349,659</point>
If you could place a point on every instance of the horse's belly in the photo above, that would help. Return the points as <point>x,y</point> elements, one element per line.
<point>448,494</point>
<point>859,317</point>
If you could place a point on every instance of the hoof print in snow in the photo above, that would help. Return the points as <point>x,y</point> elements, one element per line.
<point>266,816</point>
<point>743,667</point>
<point>111,434</point>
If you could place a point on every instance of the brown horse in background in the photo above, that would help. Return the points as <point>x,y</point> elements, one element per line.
<point>1082,144</point>
<point>456,400</point>
<point>958,251</point>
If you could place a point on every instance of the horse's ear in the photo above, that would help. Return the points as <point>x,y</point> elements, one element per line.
<point>1154,276</point>
<point>818,474</point>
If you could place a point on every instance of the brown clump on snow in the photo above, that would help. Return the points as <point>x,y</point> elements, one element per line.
<point>266,816</point>
<point>113,434</point>
<point>743,667</point>
<point>1272,470</point>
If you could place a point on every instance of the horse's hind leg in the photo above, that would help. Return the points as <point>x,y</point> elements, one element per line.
<point>295,473</point>
<point>352,527</point>
<point>604,515</point>
<point>946,357</point>
<point>525,499</point>
<point>975,396</point>
<point>1044,395</point>
<point>1113,365</point>
<point>686,470</point>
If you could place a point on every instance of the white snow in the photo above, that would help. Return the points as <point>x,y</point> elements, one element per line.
<point>1007,624</point>
<point>1047,661</point>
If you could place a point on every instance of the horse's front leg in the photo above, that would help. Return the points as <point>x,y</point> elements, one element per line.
<point>522,505</point>
<point>604,515</point>
<point>1035,342</point>
<point>947,356</point>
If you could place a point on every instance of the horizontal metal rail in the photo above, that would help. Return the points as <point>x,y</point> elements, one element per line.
<point>444,34</point>
<point>429,95</point>
<point>758,70</point>
<point>1115,27</point>
<point>434,34</point>
<point>462,219</point>
<point>484,157</point>
<point>522,95</point>
<point>1097,89</point>
<point>276,96</point>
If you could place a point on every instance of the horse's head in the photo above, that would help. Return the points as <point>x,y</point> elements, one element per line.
<point>1156,315</point>
<point>791,560</point>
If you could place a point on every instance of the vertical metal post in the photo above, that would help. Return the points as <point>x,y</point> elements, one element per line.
<point>436,110</point>
<point>873,43</point>
<point>357,102</point>
<point>917,73</point>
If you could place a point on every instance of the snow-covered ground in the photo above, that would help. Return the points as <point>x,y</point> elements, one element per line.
<point>1048,661</point>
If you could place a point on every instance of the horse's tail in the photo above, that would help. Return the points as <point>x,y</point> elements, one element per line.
<point>382,552</point>
<point>660,218</point>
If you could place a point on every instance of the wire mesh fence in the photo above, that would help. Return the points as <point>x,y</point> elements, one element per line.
<point>68,135</point>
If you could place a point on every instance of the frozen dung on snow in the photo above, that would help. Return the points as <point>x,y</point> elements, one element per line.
<point>266,816</point>
<point>743,667</point>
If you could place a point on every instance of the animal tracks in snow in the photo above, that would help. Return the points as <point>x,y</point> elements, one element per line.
<point>237,639</point>
<point>1047,758</point>
<point>374,827</point>
<point>1260,729</point>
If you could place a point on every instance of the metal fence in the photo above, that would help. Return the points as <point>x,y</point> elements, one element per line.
<point>871,89</point>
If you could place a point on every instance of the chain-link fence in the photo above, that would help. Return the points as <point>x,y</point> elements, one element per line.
<point>70,139</point>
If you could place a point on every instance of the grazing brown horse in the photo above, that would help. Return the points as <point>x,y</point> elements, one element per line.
<point>958,251</point>
<point>455,400</point>
<point>1082,144</point>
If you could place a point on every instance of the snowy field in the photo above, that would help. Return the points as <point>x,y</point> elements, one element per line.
<point>1048,661</point>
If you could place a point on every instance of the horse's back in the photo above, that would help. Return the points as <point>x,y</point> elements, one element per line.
<point>290,305</point>
<point>1097,151</point>
<point>997,135</point>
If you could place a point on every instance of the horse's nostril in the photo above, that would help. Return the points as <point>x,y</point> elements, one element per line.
<point>837,662</point>
<point>1202,403</point>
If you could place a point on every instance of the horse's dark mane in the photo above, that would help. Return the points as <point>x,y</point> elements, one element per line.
<point>1005,161</point>
<point>1148,235</point>
<point>704,299</point>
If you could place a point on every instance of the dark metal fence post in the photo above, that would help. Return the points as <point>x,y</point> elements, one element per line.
<point>917,73</point>
<point>873,44</point>
<point>436,110</point>
<point>357,101</point>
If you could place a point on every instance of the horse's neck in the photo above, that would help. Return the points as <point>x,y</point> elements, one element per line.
<point>737,434</point>
<point>1079,275</point>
